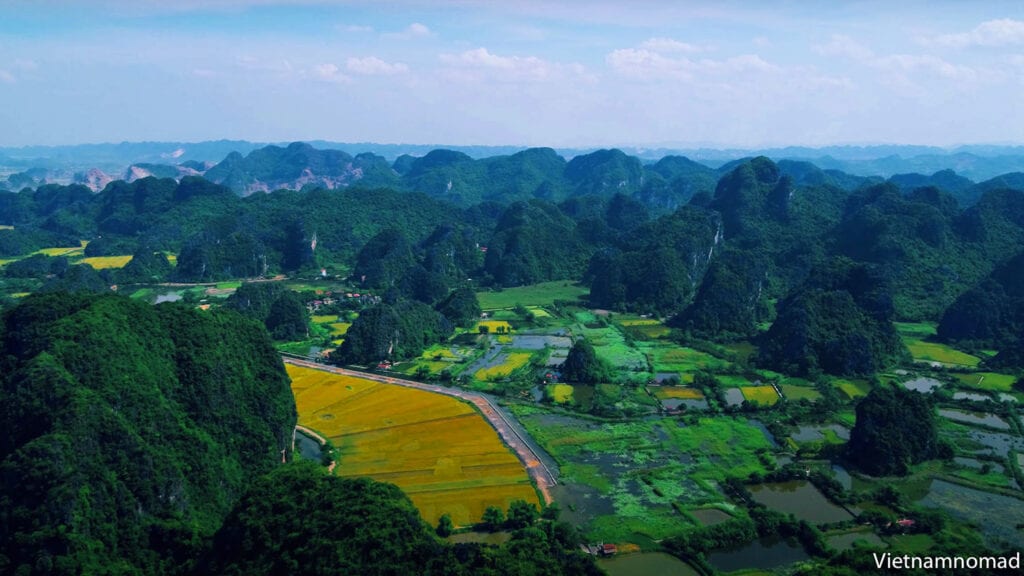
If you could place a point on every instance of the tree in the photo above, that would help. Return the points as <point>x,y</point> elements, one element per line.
<point>521,514</point>
<point>895,429</point>
<point>583,365</point>
<point>493,518</point>
<point>444,526</point>
<point>288,318</point>
<point>461,306</point>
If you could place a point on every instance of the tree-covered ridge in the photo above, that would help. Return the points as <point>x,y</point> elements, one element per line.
<point>657,267</point>
<point>280,310</point>
<point>130,431</point>
<point>838,322</point>
<point>392,331</point>
<point>895,429</point>
<point>991,314</point>
<point>299,165</point>
<point>534,242</point>
<point>299,521</point>
<point>729,302</point>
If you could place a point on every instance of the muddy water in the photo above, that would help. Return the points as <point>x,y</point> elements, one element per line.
<point>167,297</point>
<point>924,385</point>
<point>801,499</point>
<point>308,447</point>
<point>842,476</point>
<point>817,433</point>
<point>995,515</point>
<point>846,541</point>
<point>480,537</point>
<point>971,396</point>
<point>766,554</point>
<point>710,516</point>
<point>646,564</point>
<point>690,404</point>
<point>983,418</point>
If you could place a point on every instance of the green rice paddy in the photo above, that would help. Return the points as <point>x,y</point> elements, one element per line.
<point>543,294</point>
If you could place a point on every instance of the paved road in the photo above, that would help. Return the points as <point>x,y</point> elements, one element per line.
<point>539,465</point>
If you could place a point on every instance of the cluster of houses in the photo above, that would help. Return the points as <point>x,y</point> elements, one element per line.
<point>601,549</point>
<point>328,298</point>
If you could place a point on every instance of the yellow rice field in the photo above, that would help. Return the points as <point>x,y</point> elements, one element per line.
<point>64,251</point>
<point>437,449</point>
<point>105,262</point>
<point>513,362</point>
<point>666,392</point>
<point>339,328</point>
<point>561,393</point>
<point>761,394</point>
<point>324,318</point>
<point>494,326</point>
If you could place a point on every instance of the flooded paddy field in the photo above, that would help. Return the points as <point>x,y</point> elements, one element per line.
<point>995,515</point>
<point>766,553</point>
<point>979,418</point>
<point>801,499</point>
<point>646,564</point>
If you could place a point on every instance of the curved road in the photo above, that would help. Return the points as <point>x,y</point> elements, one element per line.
<point>538,464</point>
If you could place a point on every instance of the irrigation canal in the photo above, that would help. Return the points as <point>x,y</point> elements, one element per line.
<point>539,465</point>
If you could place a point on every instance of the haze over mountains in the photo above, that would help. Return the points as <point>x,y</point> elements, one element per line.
<point>466,175</point>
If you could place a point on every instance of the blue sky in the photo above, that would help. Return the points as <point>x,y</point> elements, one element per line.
<point>641,73</point>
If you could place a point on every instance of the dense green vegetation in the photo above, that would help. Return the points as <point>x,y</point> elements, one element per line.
<point>387,332</point>
<point>273,305</point>
<point>298,520</point>
<point>895,429</point>
<point>583,365</point>
<point>991,315</point>
<point>736,319</point>
<point>130,431</point>
<point>839,322</point>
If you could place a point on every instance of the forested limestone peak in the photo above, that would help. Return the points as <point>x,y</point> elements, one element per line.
<point>130,431</point>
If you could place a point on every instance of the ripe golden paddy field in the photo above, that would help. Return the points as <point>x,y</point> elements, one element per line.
<point>437,449</point>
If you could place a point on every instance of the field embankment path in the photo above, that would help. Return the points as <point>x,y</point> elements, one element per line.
<point>539,465</point>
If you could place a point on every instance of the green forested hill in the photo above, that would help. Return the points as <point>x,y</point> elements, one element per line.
<point>839,322</point>
<point>302,522</point>
<point>991,314</point>
<point>130,431</point>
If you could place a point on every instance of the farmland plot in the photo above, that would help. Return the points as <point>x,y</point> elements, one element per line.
<point>435,448</point>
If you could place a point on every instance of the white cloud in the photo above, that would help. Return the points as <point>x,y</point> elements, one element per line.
<point>643,64</point>
<point>203,73</point>
<point>901,68</point>
<point>931,64</point>
<point>412,31</point>
<point>417,29</point>
<point>328,73</point>
<point>647,64</point>
<point>373,66</point>
<point>670,45</point>
<point>1002,32</point>
<point>479,62</point>
<point>25,64</point>
<point>275,65</point>
<point>846,47</point>
<point>6,77</point>
<point>354,28</point>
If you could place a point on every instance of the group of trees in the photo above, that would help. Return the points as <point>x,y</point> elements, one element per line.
<point>279,309</point>
<point>130,430</point>
<point>896,428</point>
<point>149,440</point>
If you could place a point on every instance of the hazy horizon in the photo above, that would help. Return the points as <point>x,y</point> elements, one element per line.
<point>732,75</point>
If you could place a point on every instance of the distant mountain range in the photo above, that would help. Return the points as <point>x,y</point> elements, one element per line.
<point>661,178</point>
